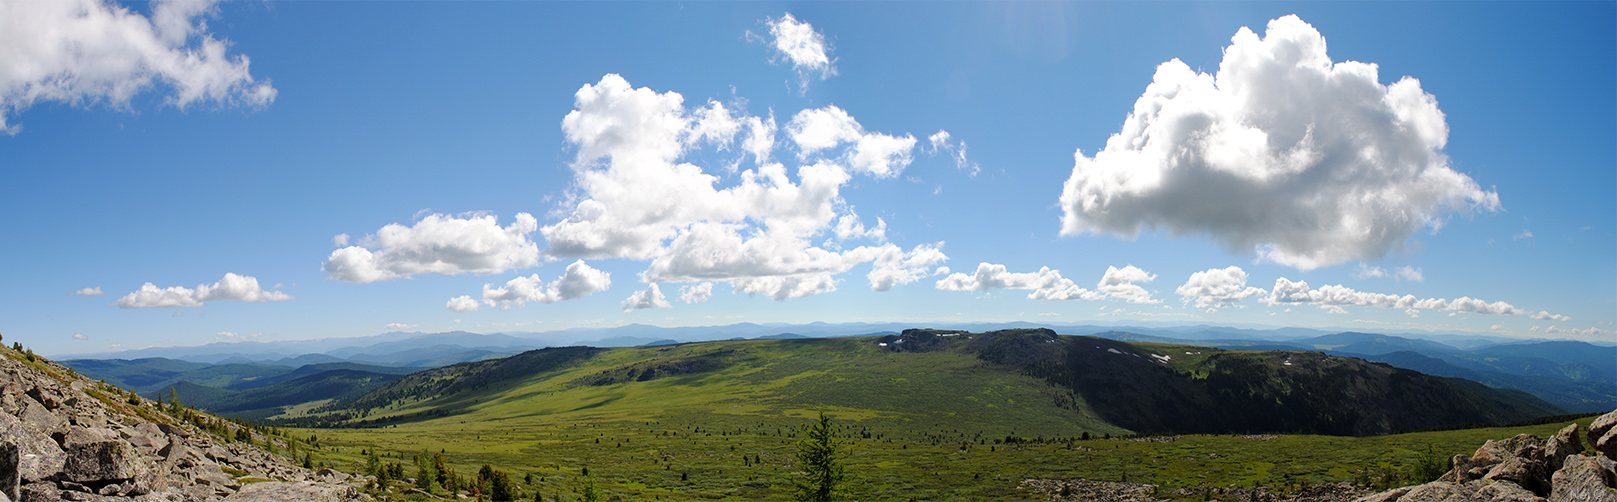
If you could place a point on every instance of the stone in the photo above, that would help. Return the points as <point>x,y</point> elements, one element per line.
<point>38,456</point>
<point>1582,479</point>
<point>1522,472</point>
<point>99,455</point>
<point>1564,444</point>
<point>1505,492</point>
<point>1601,425</point>
<point>40,492</point>
<point>276,491</point>
<point>1607,445</point>
<point>10,472</point>
<point>173,430</point>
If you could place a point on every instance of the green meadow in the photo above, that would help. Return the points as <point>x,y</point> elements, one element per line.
<point>916,426</point>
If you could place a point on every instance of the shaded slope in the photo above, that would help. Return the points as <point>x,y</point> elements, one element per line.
<point>269,400</point>
<point>1175,388</point>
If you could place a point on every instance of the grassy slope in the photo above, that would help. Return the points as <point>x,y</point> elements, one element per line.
<point>920,425</point>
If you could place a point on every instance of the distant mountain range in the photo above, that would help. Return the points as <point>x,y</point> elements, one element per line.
<point>1578,376</point>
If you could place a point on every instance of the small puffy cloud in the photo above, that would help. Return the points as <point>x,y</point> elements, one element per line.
<point>1217,288</point>
<point>1402,274</point>
<point>649,298</point>
<point>438,244</point>
<point>1546,316</point>
<point>1334,297</point>
<point>893,266</point>
<point>1119,283</point>
<point>696,293</point>
<point>232,287</point>
<point>1526,234</point>
<point>805,48</point>
<point>462,303</point>
<point>940,141</point>
<point>400,325</point>
<point>86,52</point>
<point>1046,284</point>
<point>578,281</point>
<point>95,291</point>
<point>80,336</point>
<point>1282,153</point>
<point>340,240</point>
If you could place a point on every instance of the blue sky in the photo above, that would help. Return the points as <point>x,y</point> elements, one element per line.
<point>378,166</point>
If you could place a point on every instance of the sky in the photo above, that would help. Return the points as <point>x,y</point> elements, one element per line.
<point>185,172</point>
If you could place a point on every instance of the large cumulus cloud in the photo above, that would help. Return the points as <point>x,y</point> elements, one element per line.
<point>85,52</point>
<point>437,244</point>
<point>1282,153</point>
<point>636,197</point>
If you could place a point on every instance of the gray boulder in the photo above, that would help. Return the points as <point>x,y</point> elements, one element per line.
<point>285,490</point>
<point>38,456</point>
<point>1583,479</point>
<point>1601,434</point>
<point>100,456</point>
<point>10,475</point>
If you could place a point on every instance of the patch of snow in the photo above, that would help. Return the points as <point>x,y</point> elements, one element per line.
<point>1114,351</point>
<point>882,344</point>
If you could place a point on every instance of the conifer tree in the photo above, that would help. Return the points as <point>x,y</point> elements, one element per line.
<point>821,464</point>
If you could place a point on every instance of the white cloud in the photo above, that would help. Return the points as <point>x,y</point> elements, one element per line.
<point>1526,234</point>
<point>1046,284</point>
<point>80,336</point>
<point>1594,332</point>
<point>1334,297</point>
<point>1305,162</point>
<point>95,291</point>
<point>87,52</point>
<point>798,43</point>
<point>635,198</point>
<point>438,244</point>
<point>1119,283</point>
<point>696,293</point>
<point>879,155</point>
<point>1402,274</point>
<point>400,325</point>
<point>231,336</point>
<point>893,266</point>
<point>649,298</point>
<point>1546,316</point>
<point>462,303</point>
<point>1217,288</point>
<point>578,281</point>
<point>956,151</point>
<point>232,287</point>
<point>849,227</point>
<point>340,240</point>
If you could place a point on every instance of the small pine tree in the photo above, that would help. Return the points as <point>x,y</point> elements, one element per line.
<point>821,464</point>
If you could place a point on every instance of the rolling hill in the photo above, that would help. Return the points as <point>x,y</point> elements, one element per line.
<point>1033,379</point>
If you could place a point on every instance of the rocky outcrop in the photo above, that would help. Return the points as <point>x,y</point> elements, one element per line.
<point>1527,468</point>
<point>66,437</point>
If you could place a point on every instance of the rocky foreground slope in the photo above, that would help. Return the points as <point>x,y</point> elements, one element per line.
<point>1527,468</point>
<point>66,437</point>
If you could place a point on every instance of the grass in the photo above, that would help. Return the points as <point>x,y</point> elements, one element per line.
<point>709,457</point>
<point>919,426</point>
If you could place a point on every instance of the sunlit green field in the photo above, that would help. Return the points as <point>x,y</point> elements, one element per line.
<point>928,426</point>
